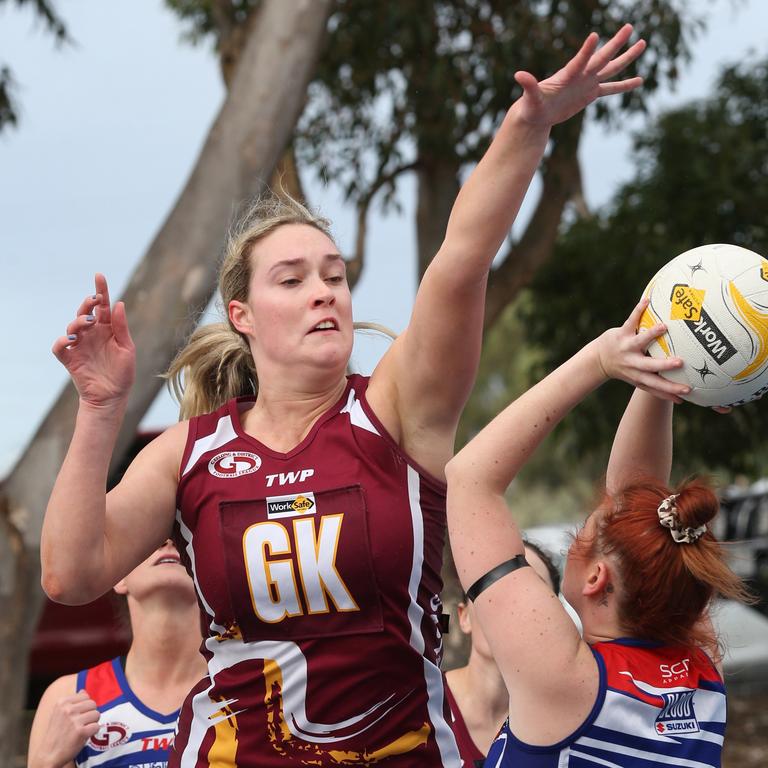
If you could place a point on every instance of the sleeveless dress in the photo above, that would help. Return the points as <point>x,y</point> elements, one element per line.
<point>656,706</point>
<point>470,755</point>
<point>318,576</point>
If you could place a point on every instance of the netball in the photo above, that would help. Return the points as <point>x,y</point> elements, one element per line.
<point>714,301</point>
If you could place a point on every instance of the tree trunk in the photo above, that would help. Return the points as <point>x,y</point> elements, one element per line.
<point>561,181</point>
<point>172,284</point>
<point>438,185</point>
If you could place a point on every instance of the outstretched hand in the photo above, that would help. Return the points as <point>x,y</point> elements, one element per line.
<point>97,349</point>
<point>585,78</point>
<point>621,352</point>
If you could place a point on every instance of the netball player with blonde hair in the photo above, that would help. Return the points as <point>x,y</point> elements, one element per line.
<point>309,505</point>
<point>640,689</point>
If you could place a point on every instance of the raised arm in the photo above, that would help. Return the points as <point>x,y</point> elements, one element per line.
<point>643,442</point>
<point>429,371</point>
<point>517,611</point>
<point>90,540</point>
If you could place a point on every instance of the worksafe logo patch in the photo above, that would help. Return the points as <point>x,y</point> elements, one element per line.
<point>293,505</point>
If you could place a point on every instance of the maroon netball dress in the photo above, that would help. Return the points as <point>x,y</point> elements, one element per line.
<point>470,755</point>
<point>318,574</point>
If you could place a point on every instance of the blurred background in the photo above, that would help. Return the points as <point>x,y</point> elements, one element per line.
<point>109,113</point>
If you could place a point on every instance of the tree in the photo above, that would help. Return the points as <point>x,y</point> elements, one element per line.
<point>415,87</point>
<point>702,178</point>
<point>45,12</point>
<point>169,288</point>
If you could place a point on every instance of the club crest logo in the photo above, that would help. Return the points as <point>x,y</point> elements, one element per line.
<point>234,464</point>
<point>677,714</point>
<point>108,736</point>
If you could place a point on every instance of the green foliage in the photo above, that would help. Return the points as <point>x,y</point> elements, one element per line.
<point>430,82</point>
<point>211,18</point>
<point>8,109</point>
<point>702,178</point>
<point>45,12</point>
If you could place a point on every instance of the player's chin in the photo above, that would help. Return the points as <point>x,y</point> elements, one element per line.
<point>333,346</point>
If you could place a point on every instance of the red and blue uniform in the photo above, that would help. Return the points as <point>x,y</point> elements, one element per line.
<point>656,706</point>
<point>131,734</point>
<point>318,574</point>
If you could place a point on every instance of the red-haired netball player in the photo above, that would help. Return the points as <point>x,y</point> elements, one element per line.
<point>310,505</point>
<point>640,688</point>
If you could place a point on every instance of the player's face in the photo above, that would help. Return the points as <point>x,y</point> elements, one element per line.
<point>299,308</point>
<point>160,574</point>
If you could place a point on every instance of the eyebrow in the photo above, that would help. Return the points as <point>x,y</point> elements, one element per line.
<point>329,257</point>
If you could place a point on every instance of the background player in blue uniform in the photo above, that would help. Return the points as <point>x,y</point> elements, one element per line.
<point>638,689</point>
<point>143,694</point>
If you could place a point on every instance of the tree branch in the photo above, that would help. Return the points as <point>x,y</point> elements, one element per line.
<point>561,181</point>
<point>356,263</point>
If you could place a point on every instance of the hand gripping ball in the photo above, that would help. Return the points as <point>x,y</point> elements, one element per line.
<point>714,301</point>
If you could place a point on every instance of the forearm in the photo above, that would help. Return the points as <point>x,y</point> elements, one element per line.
<point>483,533</point>
<point>643,442</point>
<point>490,199</point>
<point>73,543</point>
<point>497,453</point>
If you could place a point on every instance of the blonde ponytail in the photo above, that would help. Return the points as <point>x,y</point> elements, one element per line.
<point>215,366</point>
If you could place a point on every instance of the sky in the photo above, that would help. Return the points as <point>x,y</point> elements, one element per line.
<point>110,129</point>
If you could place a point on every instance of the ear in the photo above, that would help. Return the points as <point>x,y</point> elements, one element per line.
<point>598,576</point>
<point>465,621</point>
<point>240,316</point>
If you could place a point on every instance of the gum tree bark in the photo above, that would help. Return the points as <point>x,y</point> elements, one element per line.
<point>172,284</point>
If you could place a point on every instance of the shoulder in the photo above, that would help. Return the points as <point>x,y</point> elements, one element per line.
<point>167,449</point>
<point>60,688</point>
<point>172,438</point>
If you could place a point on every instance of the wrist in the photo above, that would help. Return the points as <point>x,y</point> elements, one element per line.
<point>111,410</point>
<point>594,352</point>
<point>102,419</point>
<point>525,131</point>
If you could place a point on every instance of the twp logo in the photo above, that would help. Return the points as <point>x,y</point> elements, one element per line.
<point>288,478</point>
